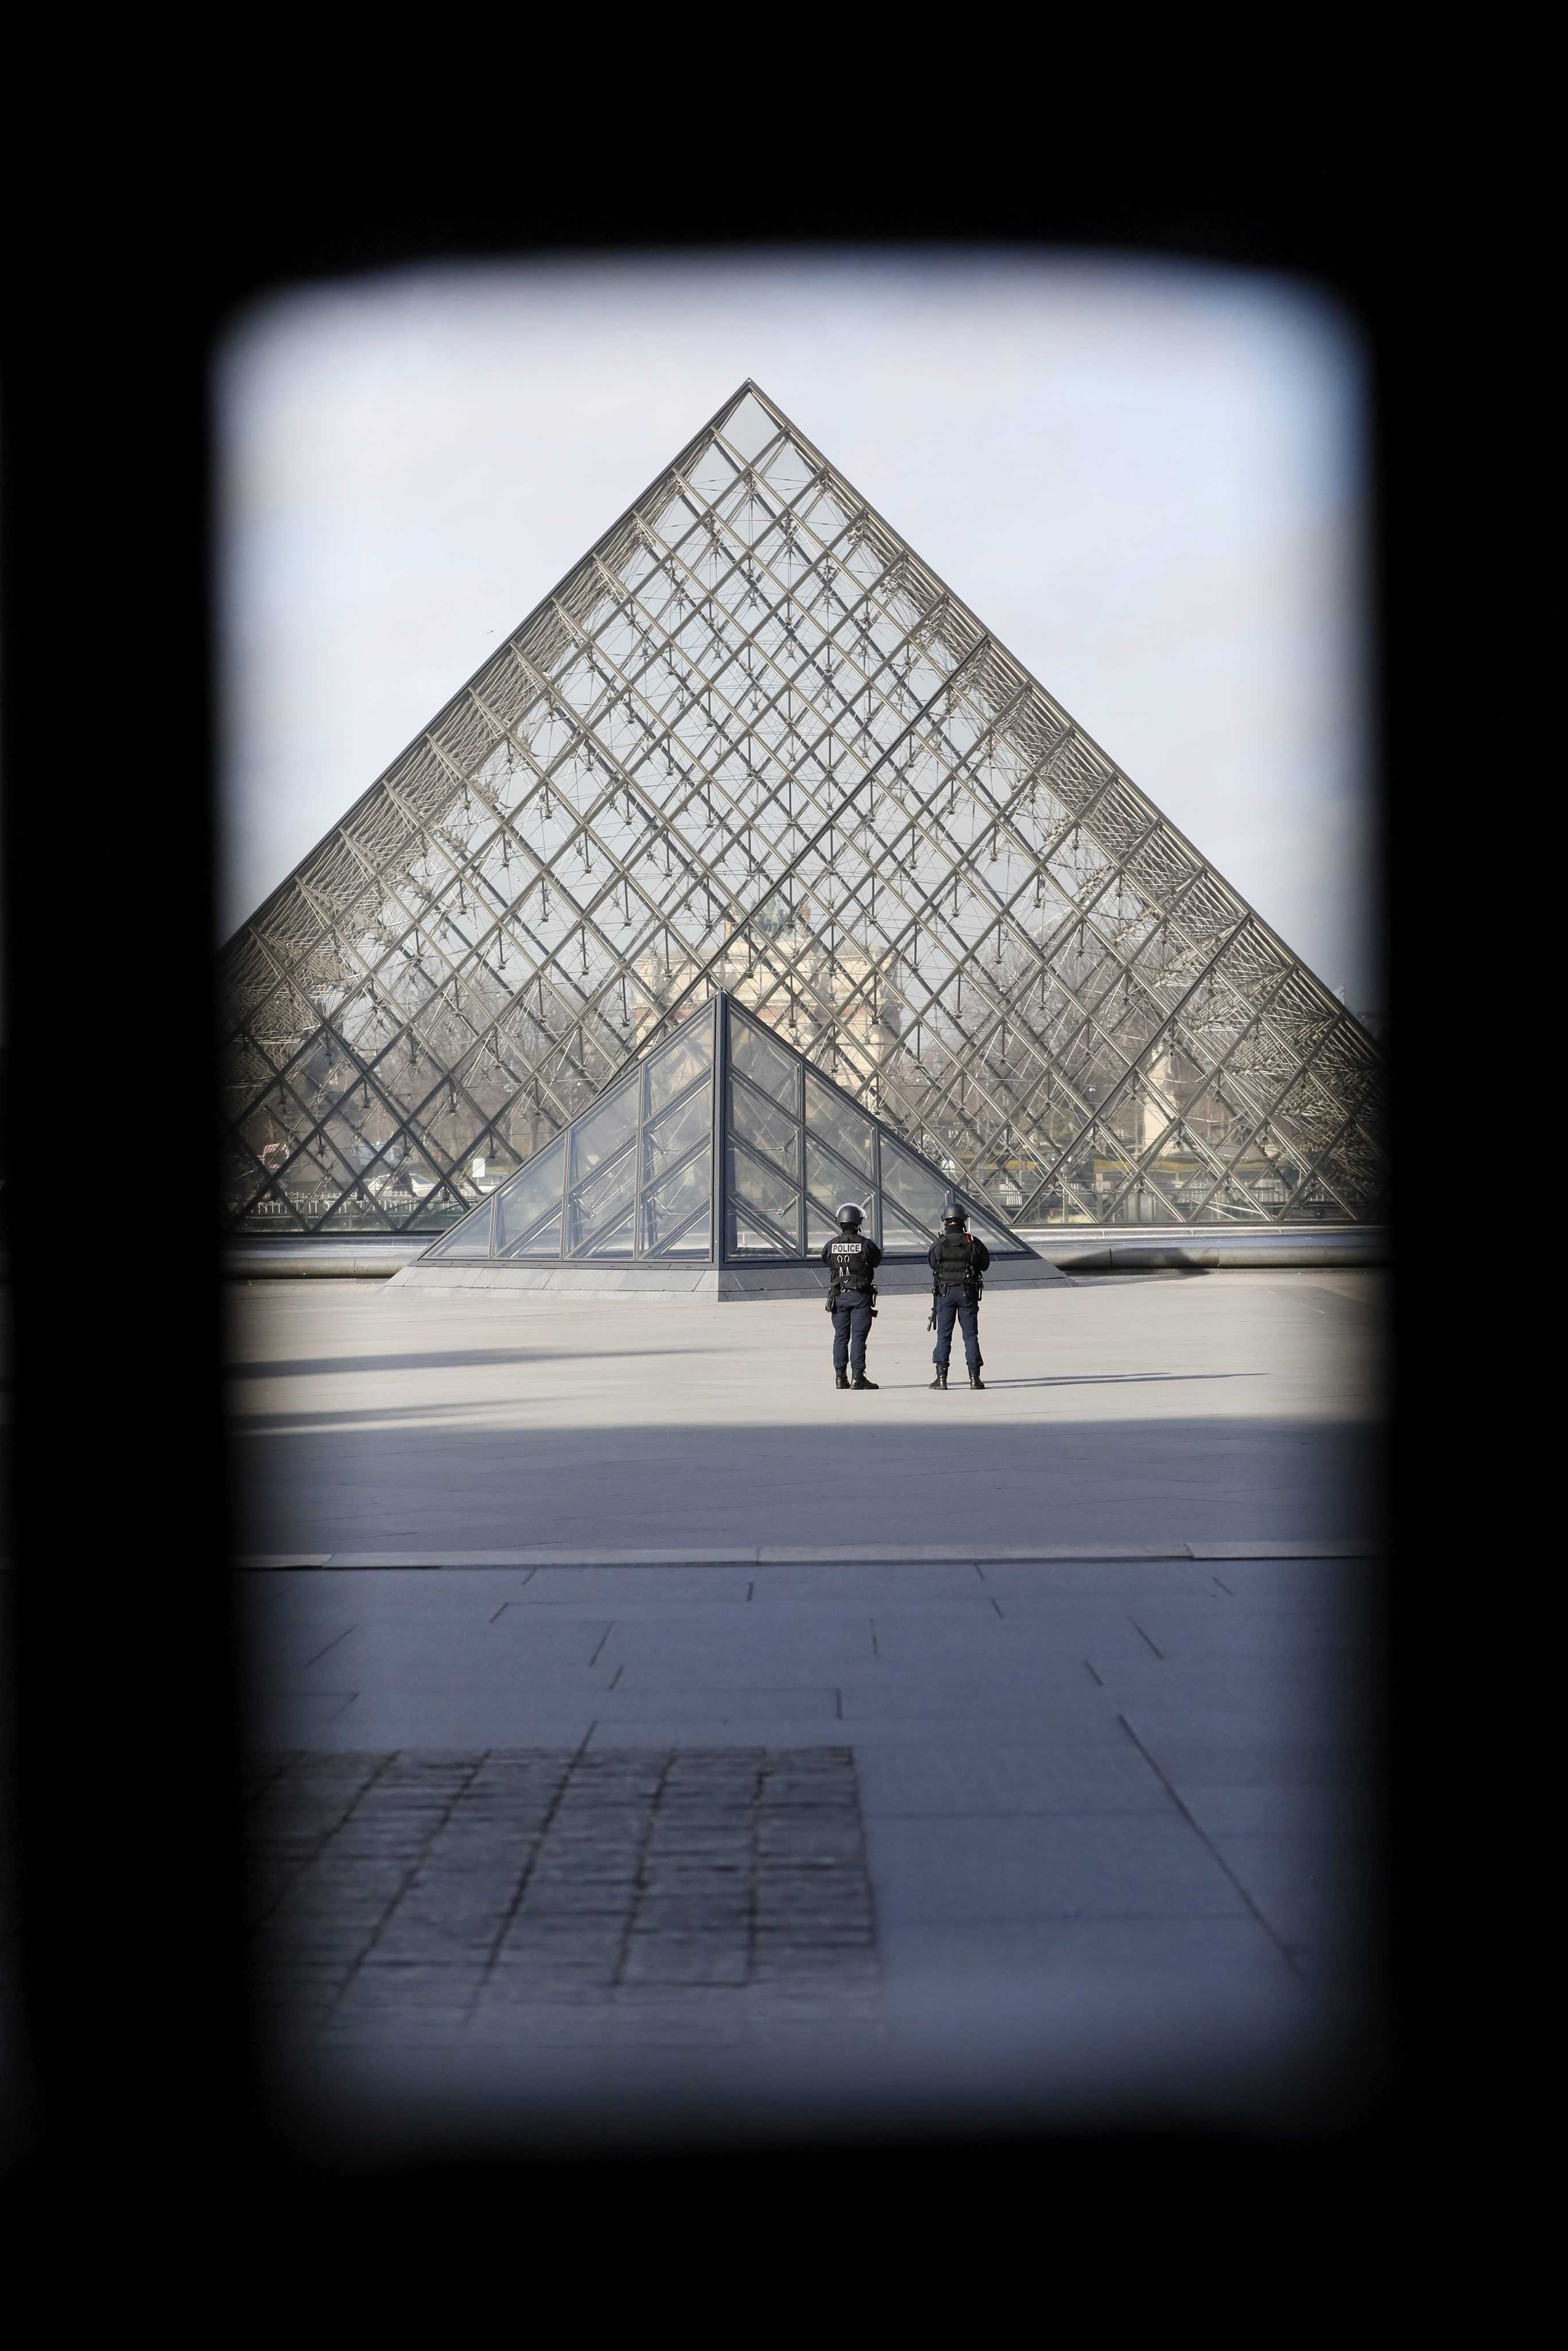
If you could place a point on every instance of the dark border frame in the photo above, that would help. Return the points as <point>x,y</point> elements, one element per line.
<point>119,1474</point>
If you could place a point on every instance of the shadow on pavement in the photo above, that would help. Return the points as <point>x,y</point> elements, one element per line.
<point>307,1484</point>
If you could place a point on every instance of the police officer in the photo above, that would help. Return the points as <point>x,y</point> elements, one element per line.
<point>852,1259</point>
<point>958,1261</point>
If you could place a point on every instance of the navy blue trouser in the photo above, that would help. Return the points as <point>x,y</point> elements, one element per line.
<point>851,1328</point>
<point>951,1303</point>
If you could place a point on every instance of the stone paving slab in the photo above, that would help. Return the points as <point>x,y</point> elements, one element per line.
<point>716,1705</point>
<point>1269,1810</point>
<point>1247,1759</point>
<point>1110,1865</point>
<point>1014,1587</point>
<point>416,1897</point>
<point>472,1718</point>
<point>1117,1802</point>
<point>965,1779</point>
<point>902,1728</point>
<point>1142,1967</point>
<point>649,1653</point>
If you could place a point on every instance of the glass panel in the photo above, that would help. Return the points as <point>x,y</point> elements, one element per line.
<point>696,1241</point>
<point>444,1208</point>
<point>603,1132</point>
<point>819,1229</point>
<point>843,1129</point>
<point>600,1203</point>
<point>271,1215</point>
<point>746,1237</point>
<point>749,427</point>
<point>767,1064</point>
<point>764,1189</point>
<point>832,1183</point>
<point>470,1239</point>
<point>920,1195</point>
<point>679,1131</point>
<point>356,1213</point>
<point>614,1244</point>
<point>669,1205</point>
<point>770,1134</point>
<point>522,1202</point>
<point>1000,1243</point>
<point>674,1068</point>
<point>898,1233</point>
<point>546,1242</point>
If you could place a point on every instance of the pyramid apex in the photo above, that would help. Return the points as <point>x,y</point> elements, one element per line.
<point>750,384</point>
<point>1032,1048</point>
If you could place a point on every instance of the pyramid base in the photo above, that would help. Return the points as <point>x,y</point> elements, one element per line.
<point>703,1285</point>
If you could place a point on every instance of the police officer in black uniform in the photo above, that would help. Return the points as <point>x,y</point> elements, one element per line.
<point>852,1259</point>
<point>958,1261</point>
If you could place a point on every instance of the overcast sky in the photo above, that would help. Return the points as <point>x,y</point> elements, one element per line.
<point>1145,480</point>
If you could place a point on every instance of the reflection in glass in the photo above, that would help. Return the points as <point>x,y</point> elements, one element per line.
<point>838,1125</point>
<point>919,1194</point>
<point>695,1242</point>
<point>747,1236</point>
<point>898,1233</point>
<point>832,1183</point>
<point>602,1133</point>
<point>680,1130</point>
<point>674,1069</point>
<point>667,1206</point>
<point>999,1243</point>
<point>764,1189</point>
<point>767,1065</point>
<point>772,1136</point>
<point>546,1242</point>
<point>470,1239</point>
<point>614,1244</point>
<point>597,1205</point>
<point>529,1194</point>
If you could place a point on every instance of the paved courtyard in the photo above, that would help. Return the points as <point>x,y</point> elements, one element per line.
<point>1151,1409</point>
<point>1042,1831</point>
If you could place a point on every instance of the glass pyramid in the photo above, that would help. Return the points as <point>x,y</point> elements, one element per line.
<point>723,1145</point>
<point>752,742</point>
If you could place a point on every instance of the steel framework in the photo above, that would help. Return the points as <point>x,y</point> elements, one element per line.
<point>752,742</point>
<point>721,1145</point>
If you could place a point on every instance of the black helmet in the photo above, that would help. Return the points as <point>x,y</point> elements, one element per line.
<point>952,1210</point>
<point>851,1214</point>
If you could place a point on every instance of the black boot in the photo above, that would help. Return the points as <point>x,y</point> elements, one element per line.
<point>841,1379</point>
<point>976,1381</point>
<point>940,1381</point>
<point>860,1381</point>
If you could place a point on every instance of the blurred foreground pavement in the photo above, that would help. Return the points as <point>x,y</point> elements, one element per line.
<point>561,1849</point>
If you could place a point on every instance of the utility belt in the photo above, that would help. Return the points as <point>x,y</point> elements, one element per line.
<point>836,1290</point>
<point>974,1283</point>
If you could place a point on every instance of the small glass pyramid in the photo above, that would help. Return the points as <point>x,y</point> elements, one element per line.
<point>722,1146</point>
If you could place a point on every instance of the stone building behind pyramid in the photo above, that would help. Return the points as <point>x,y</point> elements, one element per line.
<point>752,743</point>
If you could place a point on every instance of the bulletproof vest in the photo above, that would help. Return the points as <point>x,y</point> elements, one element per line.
<point>850,1263</point>
<point>953,1259</point>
